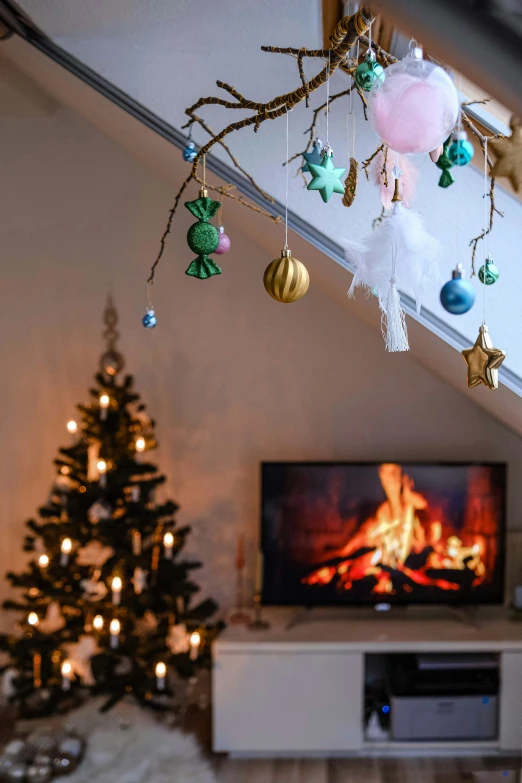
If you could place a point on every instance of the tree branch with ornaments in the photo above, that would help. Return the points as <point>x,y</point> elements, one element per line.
<point>414,109</point>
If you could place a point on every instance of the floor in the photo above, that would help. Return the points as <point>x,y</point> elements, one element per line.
<point>367,771</point>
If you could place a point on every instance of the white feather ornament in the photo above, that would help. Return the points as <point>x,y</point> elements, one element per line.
<point>398,255</point>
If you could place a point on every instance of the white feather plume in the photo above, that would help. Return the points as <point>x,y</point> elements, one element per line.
<point>401,234</point>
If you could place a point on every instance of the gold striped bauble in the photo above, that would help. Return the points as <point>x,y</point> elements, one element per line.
<point>286,279</point>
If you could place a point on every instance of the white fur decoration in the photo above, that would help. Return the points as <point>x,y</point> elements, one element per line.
<point>125,745</point>
<point>416,268</point>
<point>409,179</point>
<point>398,255</point>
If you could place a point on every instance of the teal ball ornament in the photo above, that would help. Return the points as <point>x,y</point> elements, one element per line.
<point>460,151</point>
<point>489,272</point>
<point>457,296</point>
<point>189,153</point>
<point>149,319</point>
<point>369,72</point>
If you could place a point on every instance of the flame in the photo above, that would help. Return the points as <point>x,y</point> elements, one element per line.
<point>385,541</point>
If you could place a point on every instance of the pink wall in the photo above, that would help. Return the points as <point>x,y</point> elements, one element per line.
<point>230,376</point>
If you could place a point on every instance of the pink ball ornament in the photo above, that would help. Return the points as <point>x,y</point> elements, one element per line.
<point>416,108</point>
<point>223,244</point>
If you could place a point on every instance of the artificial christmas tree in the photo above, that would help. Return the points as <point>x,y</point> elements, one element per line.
<point>107,604</point>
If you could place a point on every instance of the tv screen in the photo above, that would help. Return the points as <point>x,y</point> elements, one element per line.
<point>346,533</point>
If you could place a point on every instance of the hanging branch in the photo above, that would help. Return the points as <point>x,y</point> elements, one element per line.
<point>346,33</point>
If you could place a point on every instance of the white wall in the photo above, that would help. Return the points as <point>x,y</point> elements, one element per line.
<point>231,377</point>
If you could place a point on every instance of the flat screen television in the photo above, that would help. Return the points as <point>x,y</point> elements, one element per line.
<point>384,532</point>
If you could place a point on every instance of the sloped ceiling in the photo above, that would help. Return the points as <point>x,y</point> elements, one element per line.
<point>158,153</point>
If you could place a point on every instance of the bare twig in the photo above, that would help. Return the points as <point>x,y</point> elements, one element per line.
<point>366,163</point>
<point>312,129</point>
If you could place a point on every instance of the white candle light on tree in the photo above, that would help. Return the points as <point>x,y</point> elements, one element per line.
<point>72,429</point>
<point>117,584</point>
<point>33,619</point>
<point>67,675</point>
<point>136,542</point>
<point>195,641</point>
<point>43,561</point>
<point>161,671</point>
<point>66,549</point>
<point>104,401</point>
<point>102,470</point>
<point>114,629</point>
<point>97,623</point>
<point>168,543</point>
<point>140,444</point>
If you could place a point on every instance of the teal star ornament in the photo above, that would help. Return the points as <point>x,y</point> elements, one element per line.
<point>326,178</point>
<point>315,156</point>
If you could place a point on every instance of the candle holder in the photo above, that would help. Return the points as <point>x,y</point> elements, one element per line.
<point>239,616</point>
<point>258,624</point>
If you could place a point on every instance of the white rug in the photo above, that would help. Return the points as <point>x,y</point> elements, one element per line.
<point>125,745</point>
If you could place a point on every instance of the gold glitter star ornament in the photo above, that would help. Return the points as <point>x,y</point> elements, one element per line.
<point>483,361</point>
<point>508,153</point>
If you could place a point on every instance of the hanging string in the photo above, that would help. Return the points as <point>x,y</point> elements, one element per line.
<point>370,37</point>
<point>486,236</point>
<point>204,164</point>
<point>328,102</point>
<point>149,295</point>
<point>286,186</point>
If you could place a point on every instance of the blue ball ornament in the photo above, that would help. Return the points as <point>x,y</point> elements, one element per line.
<point>189,153</point>
<point>149,319</point>
<point>460,151</point>
<point>457,295</point>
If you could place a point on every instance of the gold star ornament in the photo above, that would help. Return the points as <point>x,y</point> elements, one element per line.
<point>508,153</point>
<point>483,361</point>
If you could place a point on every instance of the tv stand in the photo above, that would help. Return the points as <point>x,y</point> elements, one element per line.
<point>298,688</point>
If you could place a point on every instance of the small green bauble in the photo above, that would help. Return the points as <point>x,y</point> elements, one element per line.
<point>489,273</point>
<point>369,72</point>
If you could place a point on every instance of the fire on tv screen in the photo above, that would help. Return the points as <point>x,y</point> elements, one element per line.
<point>384,532</point>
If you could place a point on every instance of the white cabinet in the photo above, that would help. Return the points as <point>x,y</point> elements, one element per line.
<point>288,701</point>
<point>510,718</point>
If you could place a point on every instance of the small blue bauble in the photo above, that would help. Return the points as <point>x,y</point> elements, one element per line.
<point>460,151</point>
<point>189,153</point>
<point>457,295</point>
<point>149,319</point>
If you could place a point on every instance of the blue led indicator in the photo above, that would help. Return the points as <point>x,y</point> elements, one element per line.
<point>485,700</point>
<point>385,709</point>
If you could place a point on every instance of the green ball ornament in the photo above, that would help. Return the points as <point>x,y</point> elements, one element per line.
<point>489,272</point>
<point>369,72</point>
<point>203,237</point>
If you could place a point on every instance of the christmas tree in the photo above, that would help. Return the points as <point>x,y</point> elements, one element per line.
<point>107,604</point>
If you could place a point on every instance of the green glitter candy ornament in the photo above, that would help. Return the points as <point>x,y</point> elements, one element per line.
<point>488,272</point>
<point>444,163</point>
<point>203,237</point>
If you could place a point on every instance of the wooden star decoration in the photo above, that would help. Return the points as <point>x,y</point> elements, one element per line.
<point>483,361</point>
<point>508,154</point>
<point>326,178</point>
